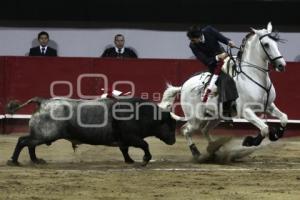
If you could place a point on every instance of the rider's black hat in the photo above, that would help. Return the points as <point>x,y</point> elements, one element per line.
<point>194,32</point>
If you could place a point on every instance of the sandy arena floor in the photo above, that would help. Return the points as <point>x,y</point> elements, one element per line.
<point>98,172</point>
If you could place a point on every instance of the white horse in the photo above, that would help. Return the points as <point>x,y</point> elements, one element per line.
<point>255,89</point>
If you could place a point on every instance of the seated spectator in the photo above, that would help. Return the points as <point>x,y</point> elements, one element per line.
<point>43,49</point>
<point>119,51</point>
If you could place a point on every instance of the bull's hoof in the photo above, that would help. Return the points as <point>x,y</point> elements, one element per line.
<point>39,161</point>
<point>253,141</point>
<point>129,161</point>
<point>13,163</point>
<point>146,160</point>
<point>144,163</point>
<point>214,146</point>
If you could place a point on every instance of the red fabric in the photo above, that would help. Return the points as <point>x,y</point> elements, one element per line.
<point>218,69</point>
<point>207,93</point>
<point>110,94</point>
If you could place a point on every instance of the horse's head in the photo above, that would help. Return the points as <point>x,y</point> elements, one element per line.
<point>269,48</point>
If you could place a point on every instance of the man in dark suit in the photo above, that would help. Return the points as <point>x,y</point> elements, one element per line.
<point>206,47</point>
<point>43,49</point>
<point>119,51</point>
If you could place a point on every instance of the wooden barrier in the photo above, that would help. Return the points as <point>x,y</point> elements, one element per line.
<point>25,77</point>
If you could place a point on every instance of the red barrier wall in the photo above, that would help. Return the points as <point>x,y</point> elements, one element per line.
<point>25,77</point>
<point>287,85</point>
<point>2,84</point>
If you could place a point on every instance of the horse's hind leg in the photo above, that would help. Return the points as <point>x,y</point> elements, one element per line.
<point>188,129</point>
<point>213,145</point>
<point>278,131</point>
<point>209,125</point>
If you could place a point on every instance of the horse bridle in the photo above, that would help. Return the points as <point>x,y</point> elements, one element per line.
<point>271,60</point>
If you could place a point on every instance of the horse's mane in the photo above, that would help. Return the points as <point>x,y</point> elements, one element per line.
<point>274,36</point>
<point>242,47</point>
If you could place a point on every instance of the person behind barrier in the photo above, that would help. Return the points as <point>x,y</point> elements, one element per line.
<point>119,50</point>
<point>43,49</point>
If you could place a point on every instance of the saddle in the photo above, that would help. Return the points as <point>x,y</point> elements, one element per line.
<point>226,91</point>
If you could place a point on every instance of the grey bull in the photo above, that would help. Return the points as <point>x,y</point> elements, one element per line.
<point>111,122</point>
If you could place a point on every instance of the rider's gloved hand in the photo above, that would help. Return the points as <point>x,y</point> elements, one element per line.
<point>221,56</point>
<point>231,44</point>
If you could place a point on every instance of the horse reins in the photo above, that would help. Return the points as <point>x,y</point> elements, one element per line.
<point>256,67</point>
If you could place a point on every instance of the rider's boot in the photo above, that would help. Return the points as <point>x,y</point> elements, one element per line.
<point>229,109</point>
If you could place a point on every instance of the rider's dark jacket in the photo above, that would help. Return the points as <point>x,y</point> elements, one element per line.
<point>206,51</point>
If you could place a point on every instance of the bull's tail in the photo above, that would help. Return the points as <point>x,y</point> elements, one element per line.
<point>169,97</point>
<point>14,105</point>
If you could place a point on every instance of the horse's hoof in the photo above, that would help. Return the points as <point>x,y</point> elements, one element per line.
<point>39,162</point>
<point>258,139</point>
<point>13,163</point>
<point>276,133</point>
<point>280,131</point>
<point>248,141</point>
<point>195,152</point>
<point>217,144</point>
<point>253,141</point>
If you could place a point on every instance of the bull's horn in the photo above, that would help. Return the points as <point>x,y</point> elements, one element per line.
<point>176,117</point>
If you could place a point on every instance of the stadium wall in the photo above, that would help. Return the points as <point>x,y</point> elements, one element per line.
<point>91,42</point>
<point>25,77</point>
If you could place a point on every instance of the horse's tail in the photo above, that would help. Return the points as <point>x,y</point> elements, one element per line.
<point>168,100</point>
<point>14,105</point>
<point>169,97</point>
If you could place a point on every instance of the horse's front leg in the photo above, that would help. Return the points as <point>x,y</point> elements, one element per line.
<point>249,115</point>
<point>277,132</point>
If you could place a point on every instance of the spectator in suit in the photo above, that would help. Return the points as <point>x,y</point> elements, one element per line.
<point>119,51</point>
<point>43,49</point>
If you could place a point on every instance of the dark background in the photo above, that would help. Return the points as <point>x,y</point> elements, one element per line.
<point>163,14</point>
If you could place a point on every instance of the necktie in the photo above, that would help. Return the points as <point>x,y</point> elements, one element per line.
<point>119,52</point>
<point>43,50</point>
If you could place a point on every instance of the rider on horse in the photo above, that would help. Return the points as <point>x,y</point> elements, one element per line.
<point>205,46</point>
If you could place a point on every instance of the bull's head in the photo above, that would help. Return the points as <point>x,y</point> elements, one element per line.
<point>167,128</point>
